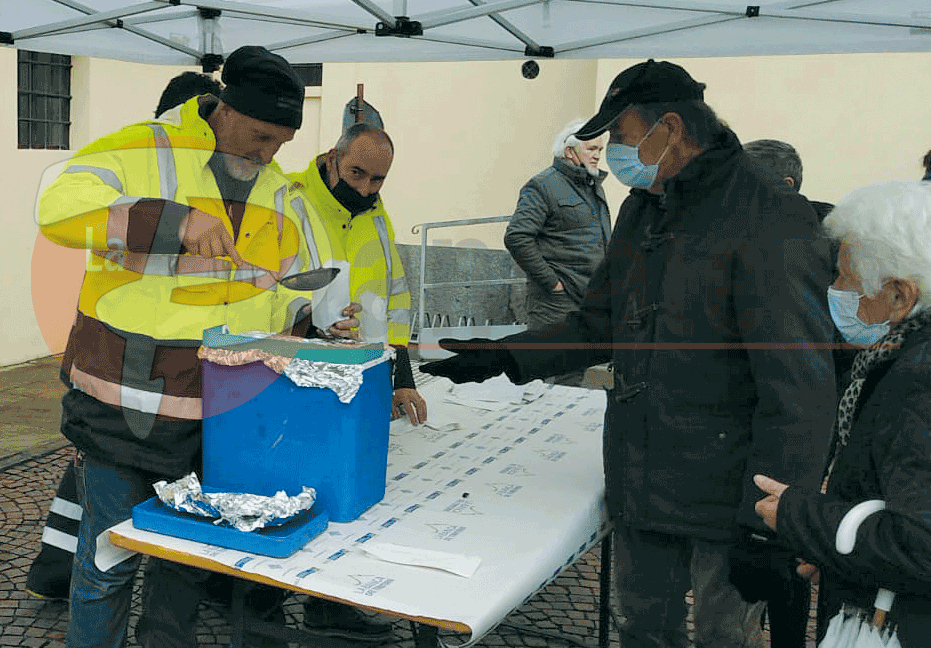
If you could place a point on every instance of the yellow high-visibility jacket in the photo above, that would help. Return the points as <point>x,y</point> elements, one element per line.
<point>366,242</point>
<point>143,304</point>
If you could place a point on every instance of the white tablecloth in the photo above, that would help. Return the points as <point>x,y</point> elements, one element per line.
<point>517,488</point>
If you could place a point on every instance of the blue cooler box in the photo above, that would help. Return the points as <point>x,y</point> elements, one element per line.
<point>280,436</point>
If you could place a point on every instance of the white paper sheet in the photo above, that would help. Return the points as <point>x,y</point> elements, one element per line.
<point>420,557</point>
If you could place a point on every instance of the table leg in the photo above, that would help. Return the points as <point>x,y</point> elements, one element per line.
<point>237,608</point>
<point>425,636</point>
<point>604,594</point>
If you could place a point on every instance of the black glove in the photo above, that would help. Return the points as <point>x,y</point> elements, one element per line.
<point>476,360</point>
<point>760,568</point>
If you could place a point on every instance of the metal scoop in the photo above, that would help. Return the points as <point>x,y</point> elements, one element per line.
<point>310,280</point>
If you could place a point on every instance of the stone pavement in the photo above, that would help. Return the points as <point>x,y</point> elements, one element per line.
<point>32,458</point>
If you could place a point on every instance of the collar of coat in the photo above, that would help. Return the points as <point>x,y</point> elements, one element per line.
<point>312,181</point>
<point>578,174</point>
<point>706,168</point>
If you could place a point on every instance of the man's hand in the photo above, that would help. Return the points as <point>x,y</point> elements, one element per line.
<point>204,235</point>
<point>767,507</point>
<point>411,403</point>
<point>476,360</point>
<point>349,327</point>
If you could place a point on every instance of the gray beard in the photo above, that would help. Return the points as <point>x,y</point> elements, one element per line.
<point>240,168</point>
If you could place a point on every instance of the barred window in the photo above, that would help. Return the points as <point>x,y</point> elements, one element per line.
<point>310,73</point>
<point>44,100</point>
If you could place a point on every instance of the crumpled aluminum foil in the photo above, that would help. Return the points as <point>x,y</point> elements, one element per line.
<point>239,510</point>
<point>344,380</point>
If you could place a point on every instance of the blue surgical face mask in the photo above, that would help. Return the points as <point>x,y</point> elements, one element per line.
<point>624,162</point>
<point>844,305</point>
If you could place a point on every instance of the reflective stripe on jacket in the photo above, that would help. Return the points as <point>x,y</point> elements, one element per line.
<point>366,241</point>
<point>143,305</point>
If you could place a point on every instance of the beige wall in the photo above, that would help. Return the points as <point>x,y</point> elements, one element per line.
<point>468,135</point>
<point>855,119</point>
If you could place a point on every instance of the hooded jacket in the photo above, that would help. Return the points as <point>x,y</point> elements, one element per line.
<point>366,242</point>
<point>144,303</point>
<point>711,305</point>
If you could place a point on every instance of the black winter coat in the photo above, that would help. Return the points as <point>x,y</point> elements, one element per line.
<point>707,303</point>
<point>887,457</point>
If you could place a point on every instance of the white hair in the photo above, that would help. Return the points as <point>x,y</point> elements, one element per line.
<point>567,137</point>
<point>887,228</point>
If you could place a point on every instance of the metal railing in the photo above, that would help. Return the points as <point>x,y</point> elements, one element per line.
<point>424,228</point>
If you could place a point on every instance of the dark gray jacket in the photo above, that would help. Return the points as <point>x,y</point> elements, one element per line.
<point>887,457</point>
<point>561,227</point>
<point>707,302</point>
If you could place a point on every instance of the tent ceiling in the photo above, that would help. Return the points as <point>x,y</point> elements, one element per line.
<point>182,32</point>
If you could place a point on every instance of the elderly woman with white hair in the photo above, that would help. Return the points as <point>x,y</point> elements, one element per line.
<point>881,449</point>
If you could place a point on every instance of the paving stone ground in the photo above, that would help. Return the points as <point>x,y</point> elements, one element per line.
<point>568,606</point>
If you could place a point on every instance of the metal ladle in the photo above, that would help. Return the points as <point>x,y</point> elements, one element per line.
<point>310,280</point>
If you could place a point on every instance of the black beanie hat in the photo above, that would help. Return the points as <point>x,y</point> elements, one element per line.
<point>264,86</point>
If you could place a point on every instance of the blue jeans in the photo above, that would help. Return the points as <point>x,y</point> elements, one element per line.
<point>100,601</point>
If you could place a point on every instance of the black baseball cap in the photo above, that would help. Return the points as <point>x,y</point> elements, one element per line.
<point>643,83</point>
<point>263,85</point>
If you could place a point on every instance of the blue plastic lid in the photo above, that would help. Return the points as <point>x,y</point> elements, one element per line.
<point>310,350</point>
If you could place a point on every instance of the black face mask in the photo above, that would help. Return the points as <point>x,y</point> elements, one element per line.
<point>351,199</point>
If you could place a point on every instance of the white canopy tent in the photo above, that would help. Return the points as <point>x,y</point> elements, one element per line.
<point>201,32</point>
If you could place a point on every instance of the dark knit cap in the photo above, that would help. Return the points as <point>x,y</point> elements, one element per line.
<point>263,85</point>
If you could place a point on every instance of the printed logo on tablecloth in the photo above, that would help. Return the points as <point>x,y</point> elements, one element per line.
<point>505,490</point>
<point>517,470</point>
<point>560,439</point>
<point>369,584</point>
<point>307,572</point>
<point>446,531</point>
<point>550,455</point>
<point>462,507</point>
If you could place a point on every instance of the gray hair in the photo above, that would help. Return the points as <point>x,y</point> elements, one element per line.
<point>567,137</point>
<point>357,130</point>
<point>887,228</point>
<point>777,157</point>
<point>702,125</point>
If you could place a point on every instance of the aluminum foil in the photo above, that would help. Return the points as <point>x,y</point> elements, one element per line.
<point>239,510</point>
<point>344,380</point>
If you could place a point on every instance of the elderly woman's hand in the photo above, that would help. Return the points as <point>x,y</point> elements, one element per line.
<point>767,507</point>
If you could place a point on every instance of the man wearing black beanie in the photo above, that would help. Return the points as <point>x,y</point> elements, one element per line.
<point>175,214</point>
